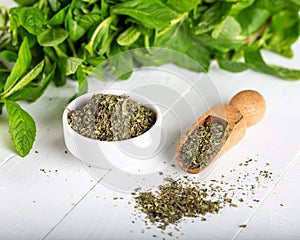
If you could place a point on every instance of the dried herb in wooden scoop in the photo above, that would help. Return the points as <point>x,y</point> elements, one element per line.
<point>218,130</point>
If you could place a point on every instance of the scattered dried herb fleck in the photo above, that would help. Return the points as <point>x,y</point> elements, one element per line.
<point>185,198</point>
<point>108,117</point>
<point>180,198</point>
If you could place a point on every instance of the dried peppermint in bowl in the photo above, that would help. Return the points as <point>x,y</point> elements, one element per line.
<point>113,129</point>
<point>109,117</point>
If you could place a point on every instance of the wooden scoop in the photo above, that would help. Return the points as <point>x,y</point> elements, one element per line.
<point>245,109</point>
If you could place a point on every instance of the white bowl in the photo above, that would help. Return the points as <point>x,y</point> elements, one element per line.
<point>114,154</point>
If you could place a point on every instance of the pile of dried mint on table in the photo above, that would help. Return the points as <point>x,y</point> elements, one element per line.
<point>180,198</point>
<point>202,144</point>
<point>108,117</point>
<point>186,198</point>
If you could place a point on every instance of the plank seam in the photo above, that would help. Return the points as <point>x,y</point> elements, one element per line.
<point>75,205</point>
<point>297,156</point>
<point>7,159</point>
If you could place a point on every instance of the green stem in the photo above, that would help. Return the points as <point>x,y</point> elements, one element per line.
<point>41,4</point>
<point>59,52</point>
<point>258,33</point>
<point>86,71</point>
<point>101,26</point>
<point>173,23</point>
<point>181,18</point>
<point>147,42</point>
<point>72,47</point>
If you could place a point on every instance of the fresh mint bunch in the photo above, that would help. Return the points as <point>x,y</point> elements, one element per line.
<point>52,40</point>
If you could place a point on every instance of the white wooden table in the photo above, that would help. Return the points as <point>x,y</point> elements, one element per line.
<point>52,195</point>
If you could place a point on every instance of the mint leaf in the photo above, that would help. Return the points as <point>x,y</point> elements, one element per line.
<point>82,81</point>
<point>285,31</point>
<point>32,91</point>
<point>72,64</point>
<point>151,14</point>
<point>52,37</point>
<point>252,18</point>
<point>182,6</point>
<point>232,66</point>
<point>228,29</point>
<point>3,76</point>
<point>31,18</point>
<point>29,77</point>
<point>129,36</point>
<point>286,73</point>
<point>21,65</point>
<point>9,55</point>
<point>22,128</point>
<point>59,17</point>
<point>255,61</point>
<point>121,63</point>
<point>212,17</point>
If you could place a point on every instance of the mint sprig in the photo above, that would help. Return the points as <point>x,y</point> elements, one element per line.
<point>22,128</point>
<point>59,39</point>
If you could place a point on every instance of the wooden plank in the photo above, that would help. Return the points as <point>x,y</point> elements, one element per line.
<point>37,191</point>
<point>277,217</point>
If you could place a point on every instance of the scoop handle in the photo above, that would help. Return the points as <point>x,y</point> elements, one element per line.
<point>245,109</point>
<point>251,104</point>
